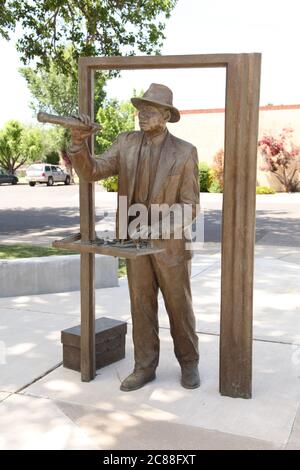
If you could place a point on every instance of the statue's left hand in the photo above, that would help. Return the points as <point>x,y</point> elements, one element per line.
<point>143,233</point>
<point>79,135</point>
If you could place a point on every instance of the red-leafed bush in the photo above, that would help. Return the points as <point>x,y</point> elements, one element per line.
<point>218,169</point>
<point>281,157</point>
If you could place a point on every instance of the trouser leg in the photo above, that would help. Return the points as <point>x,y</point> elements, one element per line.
<point>174,282</point>
<point>143,290</point>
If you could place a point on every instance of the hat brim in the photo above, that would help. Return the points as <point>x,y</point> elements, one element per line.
<point>175,115</point>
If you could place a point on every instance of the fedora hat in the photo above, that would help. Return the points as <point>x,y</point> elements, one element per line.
<point>159,95</point>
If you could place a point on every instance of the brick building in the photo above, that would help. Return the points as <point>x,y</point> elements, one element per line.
<point>205,129</point>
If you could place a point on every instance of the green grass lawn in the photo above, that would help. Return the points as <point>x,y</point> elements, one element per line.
<point>122,267</point>
<point>24,250</point>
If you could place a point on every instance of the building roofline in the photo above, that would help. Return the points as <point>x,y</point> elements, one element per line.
<point>222,110</point>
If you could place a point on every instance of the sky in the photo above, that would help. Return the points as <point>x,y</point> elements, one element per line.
<point>197,27</point>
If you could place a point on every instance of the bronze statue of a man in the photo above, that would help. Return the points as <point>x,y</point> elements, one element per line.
<point>154,167</point>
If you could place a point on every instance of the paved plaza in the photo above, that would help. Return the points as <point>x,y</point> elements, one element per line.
<point>45,406</point>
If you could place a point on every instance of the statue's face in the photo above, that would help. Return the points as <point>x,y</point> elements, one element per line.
<point>151,118</point>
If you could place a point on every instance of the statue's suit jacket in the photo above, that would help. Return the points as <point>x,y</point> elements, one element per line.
<point>176,179</point>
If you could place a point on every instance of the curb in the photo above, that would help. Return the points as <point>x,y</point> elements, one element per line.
<point>51,274</point>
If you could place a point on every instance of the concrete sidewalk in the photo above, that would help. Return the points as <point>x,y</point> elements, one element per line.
<point>44,406</point>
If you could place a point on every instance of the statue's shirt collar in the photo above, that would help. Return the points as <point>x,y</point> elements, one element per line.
<point>157,139</point>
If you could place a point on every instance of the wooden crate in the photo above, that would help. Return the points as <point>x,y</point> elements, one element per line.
<point>109,340</point>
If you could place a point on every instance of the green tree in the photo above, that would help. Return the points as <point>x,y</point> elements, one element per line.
<point>114,117</point>
<point>92,27</point>
<point>56,92</point>
<point>52,157</point>
<point>19,144</point>
<point>53,138</point>
<point>7,21</point>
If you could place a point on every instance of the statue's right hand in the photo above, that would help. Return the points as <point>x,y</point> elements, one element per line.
<point>78,135</point>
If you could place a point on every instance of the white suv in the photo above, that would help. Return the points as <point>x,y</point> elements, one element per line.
<point>46,173</point>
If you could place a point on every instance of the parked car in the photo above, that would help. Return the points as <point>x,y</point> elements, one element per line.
<point>46,173</point>
<point>6,177</point>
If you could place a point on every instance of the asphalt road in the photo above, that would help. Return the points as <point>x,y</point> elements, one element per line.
<point>41,214</point>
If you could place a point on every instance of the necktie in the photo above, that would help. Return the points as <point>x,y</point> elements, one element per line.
<point>144,174</point>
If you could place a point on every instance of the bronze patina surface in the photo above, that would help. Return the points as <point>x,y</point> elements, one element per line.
<point>154,167</point>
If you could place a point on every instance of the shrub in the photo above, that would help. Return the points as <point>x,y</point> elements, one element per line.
<point>52,158</point>
<point>281,157</point>
<point>110,184</point>
<point>215,187</point>
<point>264,190</point>
<point>217,169</point>
<point>204,177</point>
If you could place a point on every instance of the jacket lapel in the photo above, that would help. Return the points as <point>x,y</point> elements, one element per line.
<point>132,158</point>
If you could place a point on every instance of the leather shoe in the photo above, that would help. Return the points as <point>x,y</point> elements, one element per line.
<point>190,376</point>
<point>137,380</point>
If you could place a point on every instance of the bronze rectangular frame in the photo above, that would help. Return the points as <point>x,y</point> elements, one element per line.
<point>238,221</point>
